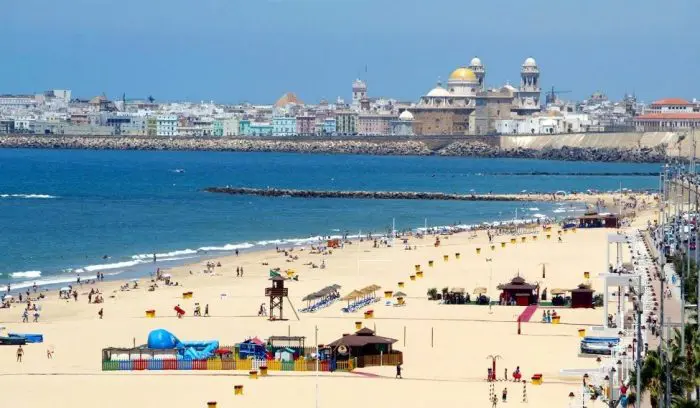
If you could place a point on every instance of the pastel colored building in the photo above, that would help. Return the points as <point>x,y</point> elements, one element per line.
<point>329,126</point>
<point>244,127</point>
<point>305,125</point>
<point>217,128</point>
<point>231,126</point>
<point>346,123</point>
<point>284,126</point>
<point>374,125</point>
<point>260,129</point>
<point>166,125</point>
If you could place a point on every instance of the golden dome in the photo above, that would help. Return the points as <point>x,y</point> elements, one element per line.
<point>463,74</point>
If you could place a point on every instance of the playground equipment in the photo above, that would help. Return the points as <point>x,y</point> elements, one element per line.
<point>252,348</point>
<point>161,339</point>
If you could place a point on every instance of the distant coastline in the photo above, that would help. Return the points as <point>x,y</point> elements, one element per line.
<point>467,146</point>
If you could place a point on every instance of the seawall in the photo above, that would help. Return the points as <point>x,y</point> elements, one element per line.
<point>376,195</point>
<point>607,147</point>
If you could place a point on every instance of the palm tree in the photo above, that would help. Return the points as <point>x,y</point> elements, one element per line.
<point>678,402</point>
<point>651,378</point>
<point>686,368</point>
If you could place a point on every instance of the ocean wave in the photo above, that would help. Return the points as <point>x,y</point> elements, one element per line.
<point>46,282</point>
<point>102,267</point>
<point>44,196</point>
<point>25,274</point>
<point>227,247</point>
<point>181,252</point>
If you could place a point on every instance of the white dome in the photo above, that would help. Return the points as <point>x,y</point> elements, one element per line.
<point>509,87</point>
<point>476,62</point>
<point>438,91</point>
<point>530,62</point>
<point>406,115</point>
<point>359,84</point>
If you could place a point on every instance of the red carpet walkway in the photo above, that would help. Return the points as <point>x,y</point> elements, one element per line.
<point>527,313</point>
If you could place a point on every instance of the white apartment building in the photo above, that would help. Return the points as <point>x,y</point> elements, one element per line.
<point>166,125</point>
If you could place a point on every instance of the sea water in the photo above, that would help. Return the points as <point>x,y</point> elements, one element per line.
<point>68,212</point>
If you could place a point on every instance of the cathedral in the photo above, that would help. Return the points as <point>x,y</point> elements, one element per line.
<point>466,107</point>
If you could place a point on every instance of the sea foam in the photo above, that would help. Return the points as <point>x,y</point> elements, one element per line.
<point>44,196</point>
<point>25,274</point>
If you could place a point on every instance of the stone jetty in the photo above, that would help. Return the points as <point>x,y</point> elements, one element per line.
<point>463,146</point>
<point>380,195</point>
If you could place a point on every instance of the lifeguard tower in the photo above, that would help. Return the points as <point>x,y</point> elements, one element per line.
<point>276,293</point>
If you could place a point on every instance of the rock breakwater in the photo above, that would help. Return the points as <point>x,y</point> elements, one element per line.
<point>370,146</point>
<point>378,195</point>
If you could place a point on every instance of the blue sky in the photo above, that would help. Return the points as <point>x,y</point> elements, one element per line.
<point>255,50</point>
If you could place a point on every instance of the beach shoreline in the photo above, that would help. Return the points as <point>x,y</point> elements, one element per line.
<point>182,257</point>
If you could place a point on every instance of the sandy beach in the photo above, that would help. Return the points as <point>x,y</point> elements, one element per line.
<point>445,347</point>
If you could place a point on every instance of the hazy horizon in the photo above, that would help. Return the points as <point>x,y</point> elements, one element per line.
<point>255,51</point>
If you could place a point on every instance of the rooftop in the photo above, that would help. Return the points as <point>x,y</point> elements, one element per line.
<point>671,101</point>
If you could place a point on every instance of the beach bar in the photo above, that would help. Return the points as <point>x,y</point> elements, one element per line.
<point>518,292</point>
<point>582,297</point>
<point>366,348</point>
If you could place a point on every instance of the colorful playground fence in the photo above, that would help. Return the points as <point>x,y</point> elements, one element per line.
<point>216,364</point>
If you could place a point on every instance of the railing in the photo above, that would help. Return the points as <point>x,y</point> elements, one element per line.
<point>216,364</point>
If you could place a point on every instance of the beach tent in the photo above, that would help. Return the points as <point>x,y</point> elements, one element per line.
<point>399,294</point>
<point>480,290</point>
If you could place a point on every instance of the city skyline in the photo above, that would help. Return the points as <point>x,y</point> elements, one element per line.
<point>225,52</point>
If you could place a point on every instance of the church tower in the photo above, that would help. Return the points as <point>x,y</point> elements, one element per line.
<point>478,68</point>
<point>359,92</point>
<point>529,92</point>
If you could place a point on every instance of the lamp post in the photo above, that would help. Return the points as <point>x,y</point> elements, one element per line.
<point>583,391</point>
<point>571,398</point>
<point>612,387</point>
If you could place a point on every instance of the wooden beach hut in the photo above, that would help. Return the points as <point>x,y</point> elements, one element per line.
<point>518,292</point>
<point>595,220</point>
<point>582,297</point>
<point>367,348</point>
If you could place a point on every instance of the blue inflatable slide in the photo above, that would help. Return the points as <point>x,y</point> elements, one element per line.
<point>161,339</point>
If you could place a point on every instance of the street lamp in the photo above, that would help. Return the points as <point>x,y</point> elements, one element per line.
<point>571,398</point>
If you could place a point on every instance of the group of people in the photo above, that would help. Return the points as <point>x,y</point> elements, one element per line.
<point>31,307</point>
<point>97,296</point>
<point>198,310</point>
<point>547,315</point>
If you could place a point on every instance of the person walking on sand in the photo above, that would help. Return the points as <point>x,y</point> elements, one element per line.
<point>241,271</point>
<point>398,370</point>
<point>236,252</point>
<point>49,353</point>
<point>206,310</point>
<point>100,313</point>
<point>20,353</point>
<point>238,272</point>
<point>25,316</point>
<point>504,395</point>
